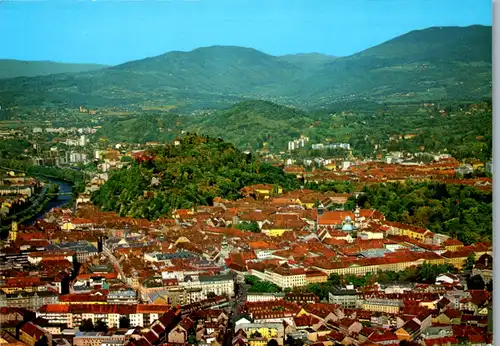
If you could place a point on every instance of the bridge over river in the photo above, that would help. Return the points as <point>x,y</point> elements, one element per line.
<point>60,194</point>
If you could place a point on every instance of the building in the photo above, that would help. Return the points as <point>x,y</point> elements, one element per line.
<point>122,296</point>
<point>29,300</point>
<point>264,297</point>
<point>74,314</point>
<point>259,334</point>
<point>345,297</point>
<point>210,284</point>
<point>382,305</point>
<point>83,249</point>
<point>284,276</point>
<point>30,333</point>
<point>99,338</point>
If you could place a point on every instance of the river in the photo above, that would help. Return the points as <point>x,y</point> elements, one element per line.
<point>56,202</point>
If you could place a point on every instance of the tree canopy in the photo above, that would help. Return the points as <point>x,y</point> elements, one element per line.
<point>191,173</point>
<point>459,211</point>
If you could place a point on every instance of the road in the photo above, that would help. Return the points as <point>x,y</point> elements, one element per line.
<point>241,297</point>
<point>235,310</point>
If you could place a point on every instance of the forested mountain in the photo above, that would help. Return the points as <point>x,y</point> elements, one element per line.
<point>430,64</point>
<point>462,129</point>
<point>10,68</point>
<point>250,124</point>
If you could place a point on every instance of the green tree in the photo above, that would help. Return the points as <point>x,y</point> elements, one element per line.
<point>249,226</point>
<point>87,326</point>
<point>101,326</point>
<point>272,342</point>
<point>124,322</point>
<point>334,279</point>
<point>469,262</point>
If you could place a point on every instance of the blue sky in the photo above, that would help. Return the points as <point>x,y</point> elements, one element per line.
<point>115,31</point>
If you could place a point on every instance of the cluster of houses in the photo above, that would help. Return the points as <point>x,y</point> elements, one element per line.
<point>446,170</point>
<point>16,191</point>
<point>175,280</point>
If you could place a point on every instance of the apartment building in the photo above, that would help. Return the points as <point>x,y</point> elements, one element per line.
<point>99,338</point>
<point>73,315</point>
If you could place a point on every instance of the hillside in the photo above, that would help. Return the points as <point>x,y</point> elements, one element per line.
<point>210,69</point>
<point>191,173</point>
<point>17,68</point>
<point>249,124</point>
<point>308,60</point>
<point>430,64</point>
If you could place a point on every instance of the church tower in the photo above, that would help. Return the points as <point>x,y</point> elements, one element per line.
<point>13,232</point>
<point>224,251</point>
<point>357,217</point>
<point>320,211</point>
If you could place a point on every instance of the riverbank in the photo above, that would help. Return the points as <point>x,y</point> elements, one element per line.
<point>45,204</point>
<point>58,201</point>
<point>73,176</point>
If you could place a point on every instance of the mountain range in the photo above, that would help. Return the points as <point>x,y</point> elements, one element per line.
<point>10,68</point>
<point>431,64</point>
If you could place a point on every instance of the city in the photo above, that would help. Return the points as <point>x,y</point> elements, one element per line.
<point>190,191</point>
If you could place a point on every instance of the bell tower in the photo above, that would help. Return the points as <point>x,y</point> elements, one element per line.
<point>13,232</point>
<point>320,211</point>
<point>224,250</point>
<point>357,217</point>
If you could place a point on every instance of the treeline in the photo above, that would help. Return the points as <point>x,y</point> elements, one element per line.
<point>425,273</point>
<point>259,286</point>
<point>462,212</point>
<point>463,130</point>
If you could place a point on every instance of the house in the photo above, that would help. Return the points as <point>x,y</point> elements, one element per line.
<point>484,268</point>
<point>409,331</point>
<point>262,191</point>
<point>449,316</point>
<point>383,337</point>
<point>31,333</point>
<point>180,333</point>
<point>447,278</point>
<point>437,332</point>
<point>259,334</point>
<point>345,297</point>
<point>452,244</point>
<point>477,302</point>
<point>348,326</point>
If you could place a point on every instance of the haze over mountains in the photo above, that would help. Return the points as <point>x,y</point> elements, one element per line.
<point>430,64</point>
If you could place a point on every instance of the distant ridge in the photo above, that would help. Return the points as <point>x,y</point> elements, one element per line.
<point>430,64</point>
<point>11,68</point>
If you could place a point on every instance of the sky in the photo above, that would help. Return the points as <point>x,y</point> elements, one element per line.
<point>115,31</point>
